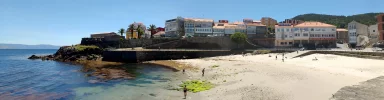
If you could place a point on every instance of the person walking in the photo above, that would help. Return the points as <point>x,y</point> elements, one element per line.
<point>203,71</point>
<point>276,57</point>
<point>183,70</point>
<point>185,91</point>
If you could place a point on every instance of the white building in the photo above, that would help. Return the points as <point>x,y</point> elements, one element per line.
<point>283,35</point>
<point>174,27</point>
<point>358,34</point>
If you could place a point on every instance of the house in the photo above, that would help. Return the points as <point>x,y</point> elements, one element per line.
<point>342,35</point>
<point>159,34</point>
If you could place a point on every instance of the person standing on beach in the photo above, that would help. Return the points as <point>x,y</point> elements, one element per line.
<point>282,59</point>
<point>203,71</point>
<point>276,57</point>
<point>183,70</point>
<point>185,91</point>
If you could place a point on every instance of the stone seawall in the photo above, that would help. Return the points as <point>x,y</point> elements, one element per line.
<point>140,56</point>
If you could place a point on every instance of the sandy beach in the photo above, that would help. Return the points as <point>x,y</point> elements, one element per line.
<point>260,77</point>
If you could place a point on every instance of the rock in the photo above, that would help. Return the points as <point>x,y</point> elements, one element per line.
<point>34,57</point>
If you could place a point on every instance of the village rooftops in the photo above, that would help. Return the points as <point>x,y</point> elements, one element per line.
<point>314,24</point>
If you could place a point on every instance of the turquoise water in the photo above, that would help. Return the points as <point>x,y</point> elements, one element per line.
<point>21,78</point>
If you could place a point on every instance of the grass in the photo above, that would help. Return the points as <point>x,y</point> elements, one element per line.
<point>214,66</point>
<point>83,47</point>
<point>196,85</point>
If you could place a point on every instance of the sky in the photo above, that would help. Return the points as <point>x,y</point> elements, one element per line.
<point>65,22</point>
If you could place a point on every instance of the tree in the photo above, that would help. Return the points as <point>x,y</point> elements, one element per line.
<point>121,31</point>
<point>152,28</point>
<point>139,31</point>
<point>238,38</point>
<point>131,27</point>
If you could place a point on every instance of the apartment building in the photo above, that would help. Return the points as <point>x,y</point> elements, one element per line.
<point>175,27</point>
<point>380,25</point>
<point>229,29</point>
<point>219,29</point>
<point>283,35</point>
<point>269,22</point>
<point>320,34</point>
<point>358,34</point>
<point>307,34</point>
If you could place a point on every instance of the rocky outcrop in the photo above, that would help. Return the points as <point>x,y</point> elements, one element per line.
<point>91,60</point>
<point>70,54</point>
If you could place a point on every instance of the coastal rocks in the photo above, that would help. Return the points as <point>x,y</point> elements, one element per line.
<point>34,57</point>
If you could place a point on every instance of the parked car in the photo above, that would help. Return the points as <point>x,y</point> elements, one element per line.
<point>377,49</point>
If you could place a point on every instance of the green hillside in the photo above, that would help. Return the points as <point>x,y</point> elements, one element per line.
<point>339,21</point>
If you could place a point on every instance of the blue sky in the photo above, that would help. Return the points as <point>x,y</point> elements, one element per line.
<point>65,22</point>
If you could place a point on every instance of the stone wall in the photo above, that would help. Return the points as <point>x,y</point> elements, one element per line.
<point>118,43</point>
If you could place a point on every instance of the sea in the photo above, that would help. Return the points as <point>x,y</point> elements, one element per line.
<point>25,79</point>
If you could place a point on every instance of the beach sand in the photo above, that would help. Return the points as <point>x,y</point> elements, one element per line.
<point>259,77</point>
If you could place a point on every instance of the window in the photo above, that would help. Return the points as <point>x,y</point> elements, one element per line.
<point>305,29</point>
<point>282,30</point>
<point>290,42</point>
<point>281,43</point>
<point>296,29</point>
<point>333,29</point>
<point>287,30</point>
<point>312,29</point>
<point>323,29</point>
<point>305,34</point>
<point>311,35</point>
<point>373,31</point>
<point>285,36</point>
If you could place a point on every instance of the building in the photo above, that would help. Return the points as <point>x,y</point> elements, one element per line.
<point>103,35</point>
<point>342,35</point>
<point>107,36</point>
<point>358,34</point>
<point>292,21</point>
<point>198,27</point>
<point>269,22</point>
<point>175,27</point>
<point>373,33</point>
<point>229,29</point>
<point>380,25</point>
<point>158,29</point>
<point>219,29</point>
<point>283,35</point>
<point>306,34</point>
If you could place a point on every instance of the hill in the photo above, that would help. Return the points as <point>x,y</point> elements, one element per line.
<point>339,20</point>
<point>22,46</point>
